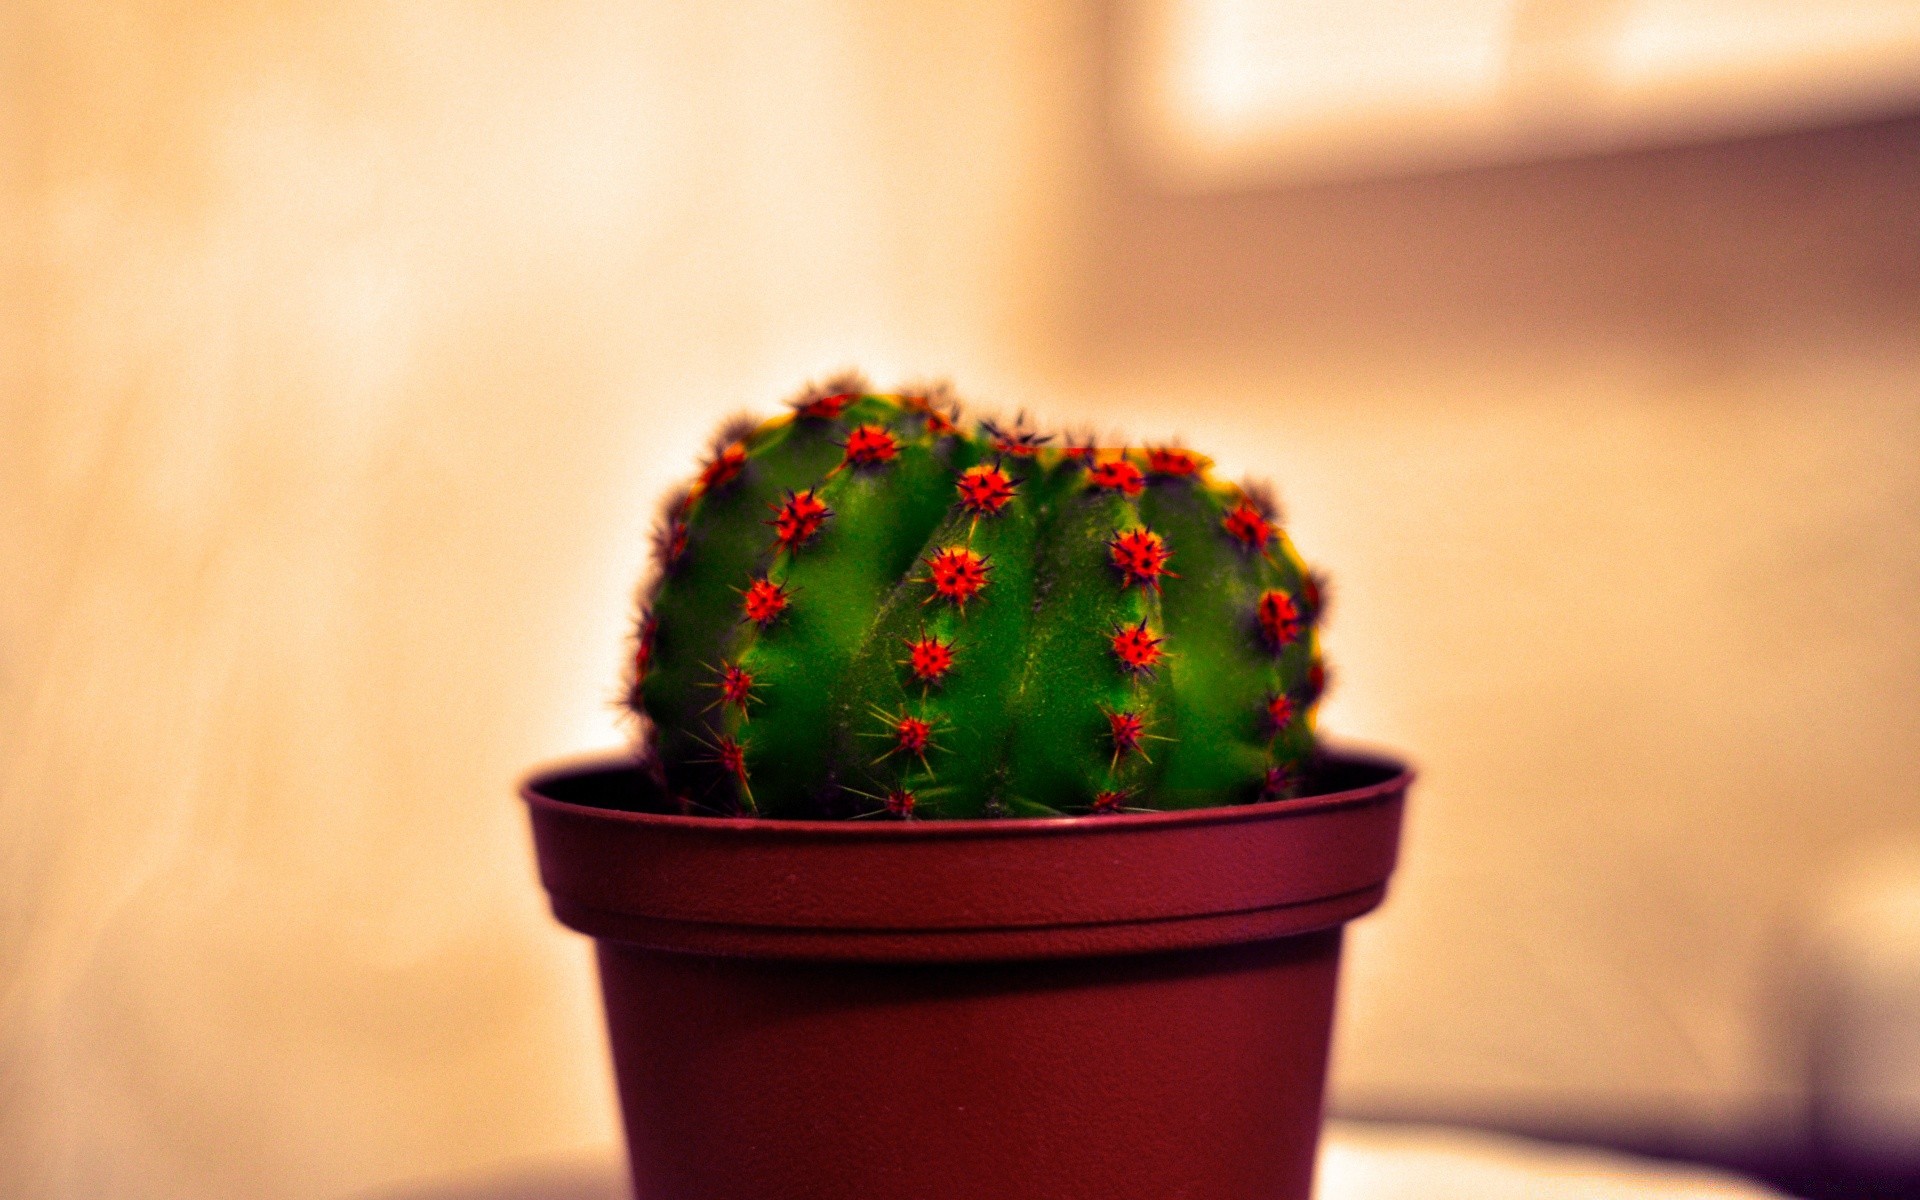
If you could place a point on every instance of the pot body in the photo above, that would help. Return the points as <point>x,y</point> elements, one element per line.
<point>1191,1073</point>
<point>1124,1007</point>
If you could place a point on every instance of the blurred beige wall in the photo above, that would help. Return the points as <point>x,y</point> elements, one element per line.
<point>347,347</point>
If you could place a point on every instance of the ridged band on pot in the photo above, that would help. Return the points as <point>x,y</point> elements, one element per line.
<point>969,890</point>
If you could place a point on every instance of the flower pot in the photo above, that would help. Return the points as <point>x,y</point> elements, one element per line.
<point>1117,1007</point>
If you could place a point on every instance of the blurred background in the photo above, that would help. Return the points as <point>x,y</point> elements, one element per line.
<point>347,346</point>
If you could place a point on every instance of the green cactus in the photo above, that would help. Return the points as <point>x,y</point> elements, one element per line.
<point>863,609</point>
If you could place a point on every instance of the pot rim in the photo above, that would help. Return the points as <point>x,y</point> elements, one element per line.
<point>967,889</point>
<point>1397,777</point>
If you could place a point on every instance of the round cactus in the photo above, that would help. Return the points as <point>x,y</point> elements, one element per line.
<point>864,608</point>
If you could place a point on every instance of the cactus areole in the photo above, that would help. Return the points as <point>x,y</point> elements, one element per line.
<point>869,607</point>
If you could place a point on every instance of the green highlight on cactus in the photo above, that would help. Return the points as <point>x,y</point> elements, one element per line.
<point>868,607</point>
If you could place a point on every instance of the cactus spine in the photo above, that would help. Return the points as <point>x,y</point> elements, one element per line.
<point>863,609</point>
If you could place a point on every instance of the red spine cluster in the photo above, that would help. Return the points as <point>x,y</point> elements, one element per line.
<point>929,658</point>
<point>823,408</point>
<point>1018,442</point>
<point>935,411</point>
<point>870,445</point>
<point>1279,619</point>
<point>670,542</point>
<point>1117,475</point>
<point>732,758</point>
<point>957,574</point>
<point>1172,461</point>
<point>1316,683</point>
<point>1248,526</point>
<point>724,467</point>
<point>765,601</point>
<point>911,734</point>
<point>736,686</point>
<point>984,490</point>
<point>1137,648</point>
<point>798,518</point>
<point>643,650</point>
<point>1140,555</point>
<point>1279,712</point>
<point>1313,597</point>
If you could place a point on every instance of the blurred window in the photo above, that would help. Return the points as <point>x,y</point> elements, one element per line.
<point>1224,93</point>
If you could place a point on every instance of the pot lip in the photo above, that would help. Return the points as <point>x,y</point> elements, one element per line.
<point>1397,776</point>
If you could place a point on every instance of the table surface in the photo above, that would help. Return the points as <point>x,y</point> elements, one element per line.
<point>1358,1161</point>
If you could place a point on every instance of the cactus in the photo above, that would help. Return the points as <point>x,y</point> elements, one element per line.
<point>862,608</point>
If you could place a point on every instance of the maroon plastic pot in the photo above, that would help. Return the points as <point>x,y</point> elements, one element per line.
<point>1117,1007</point>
